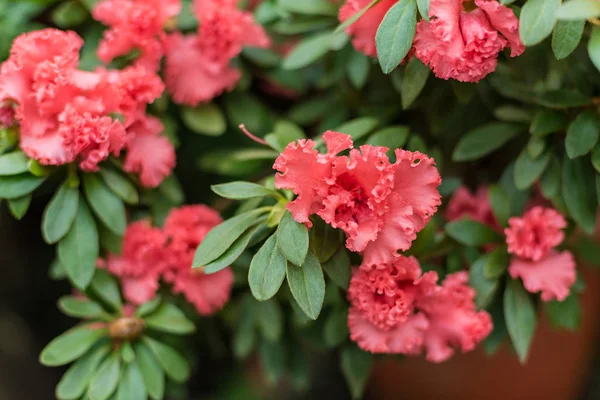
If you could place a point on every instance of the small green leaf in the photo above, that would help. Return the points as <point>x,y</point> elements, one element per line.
<point>324,240</point>
<point>528,170</point>
<point>423,6</point>
<point>173,363</point>
<point>485,287</point>
<point>205,119</point>
<point>77,378</point>
<point>151,371</point>
<point>588,250</point>
<point>148,307</point>
<point>242,190</point>
<point>582,134</point>
<point>484,140</point>
<point>566,37</point>
<point>60,213</point>
<point>105,381</point>
<point>537,20</point>
<point>471,233</point>
<point>536,146</point>
<point>356,367</point>
<point>234,252</point>
<point>508,113</point>
<point>292,239</point>
<point>307,285</point>
<point>15,186</point>
<point>563,99</point>
<point>309,7</point>
<point>170,319</point>
<point>548,121</point>
<point>520,315</point>
<point>107,206</point>
<point>358,128</point>
<point>69,14</point>
<point>70,345</point>
<point>578,10</point>
<point>565,314</point>
<point>496,263</point>
<point>220,238</point>
<point>392,137</point>
<point>550,181</point>
<point>78,251</point>
<point>336,328</point>
<point>13,163</point>
<point>269,318</point>
<point>594,47</point>
<point>19,206</point>
<point>395,34</point>
<point>308,51</point>
<point>272,357</point>
<point>131,384</point>
<point>580,199</point>
<point>127,353</point>
<point>358,69</point>
<point>120,185</point>
<point>500,203</point>
<point>80,307</point>
<point>339,268</point>
<point>267,270</point>
<point>106,288</point>
<point>413,81</point>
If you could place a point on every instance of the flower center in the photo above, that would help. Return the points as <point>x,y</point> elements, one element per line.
<point>126,328</point>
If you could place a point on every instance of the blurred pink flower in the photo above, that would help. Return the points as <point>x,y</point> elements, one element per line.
<point>476,207</point>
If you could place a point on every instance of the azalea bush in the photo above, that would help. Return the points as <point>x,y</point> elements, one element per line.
<point>385,178</point>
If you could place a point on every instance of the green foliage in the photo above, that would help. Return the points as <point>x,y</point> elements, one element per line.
<point>267,270</point>
<point>60,213</point>
<point>537,20</point>
<point>471,233</point>
<point>356,367</point>
<point>395,34</point>
<point>292,239</point>
<point>520,315</point>
<point>484,139</point>
<point>307,285</point>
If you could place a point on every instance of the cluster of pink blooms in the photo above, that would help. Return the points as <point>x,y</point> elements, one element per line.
<point>68,115</point>
<point>381,206</point>
<point>197,66</point>
<point>150,253</point>
<point>456,43</point>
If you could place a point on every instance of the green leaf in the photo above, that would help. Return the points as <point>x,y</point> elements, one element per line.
<point>324,240</point>
<point>356,367</point>
<point>69,14</point>
<point>173,363</point>
<point>587,249</point>
<point>234,252</point>
<point>496,263</point>
<point>292,239</point>
<point>170,319</point>
<point>566,37</point>
<point>355,17</point>
<point>270,319</point>
<point>392,137</point>
<point>272,357</point>
<point>582,134</point>
<point>594,47</point>
<point>536,146</point>
<point>267,270</point>
<point>78,250</point>
<point>70,345</point>
<point>151,371</point>
<point>550,181</point>
<point>565,314</point>
<point>60,213</point>
<point>413,81</point>
<point>127,353</point>
<point>339,269</point>
<point>548,121</point>
<point>148,307</point>
<point>537,20</point>
<point>580,199</point>
<point>107,206</point>
<point>395,34</point>
<point>358,69</point>
<point>80,307</point>
<point>492,343</point>
<point>471,233</point>
<point>205,119</point>
<point>520,315</point>
<point>120,185</point>
<point>242,190</point>
<point>500,202</point>
<point>19,206</point>
<point>307,285</point>
<point>336,328</point>
<point>308,51</point>
<point>485,287</point>
<point>106,288</point>
<point>284,132</point>
<point>484,140</point>
<point>508,113</point>
<point>15,186</point>
<point>105,381</point>
<point>131,384</point>
<point>423,6</point>
<point>220,238</point>
<point>563,99</point>
<point>357,128</point>
<point>13,163</point>
<point>77,378</point>
<point>578,10</point>
<point>309,7</point>
<point>528,170</point>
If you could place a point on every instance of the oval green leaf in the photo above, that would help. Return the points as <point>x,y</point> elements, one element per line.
<point>267,270</point>
<point>173,363</point>
<point>413,81</point>
<point>292,239</point>
<point>307,285</point>
<point>471,233</point>
<point>60,213</point>
<point>19,206</point>
<point>131,384</point>
<point>395,34</point>
<point>577,189</point>
<point>77,378</point>
<point>105,381</point>
<point>579,10</point>
<point>582,134</point>
<point>537,20</point>
<point>15,186</point>
<point>170,319</point>
<point>13,163</point>
<point>70,345</point>
<point>206,119</point>
<point>120,185</point>
<point>152,373</point>
<point>107,206</point>
<point>520,315</point>
<point>242,190</point>
<point>566,37</point>
<point>528,170</point>
<point>80,307</point>
<point>484,140</point>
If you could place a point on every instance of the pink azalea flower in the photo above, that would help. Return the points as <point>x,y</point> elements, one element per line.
<point>149,154</point>
<point>379,205</point>
<point>191,78</point>
<point>535,234</point>
<point>142,260</point>
<point>476,207</point>
<point>464,45</point>
<point>553,275</point>
<point>364,29</point>
<point>186,227</point>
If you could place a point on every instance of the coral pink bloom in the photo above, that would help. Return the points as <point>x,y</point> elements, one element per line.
<point>453,319</point>
<point>464,45</point>
<point>364,29</point>
<point>149,154</point>
<point>191,78</point>
<point>476,207</point>
<point>553,275</point>
<point>381,318</point>
<point>535,234</point>
<point>186,227</point>
<point>142,260</point>
<point>134,25</point>
<point>134,88</point>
